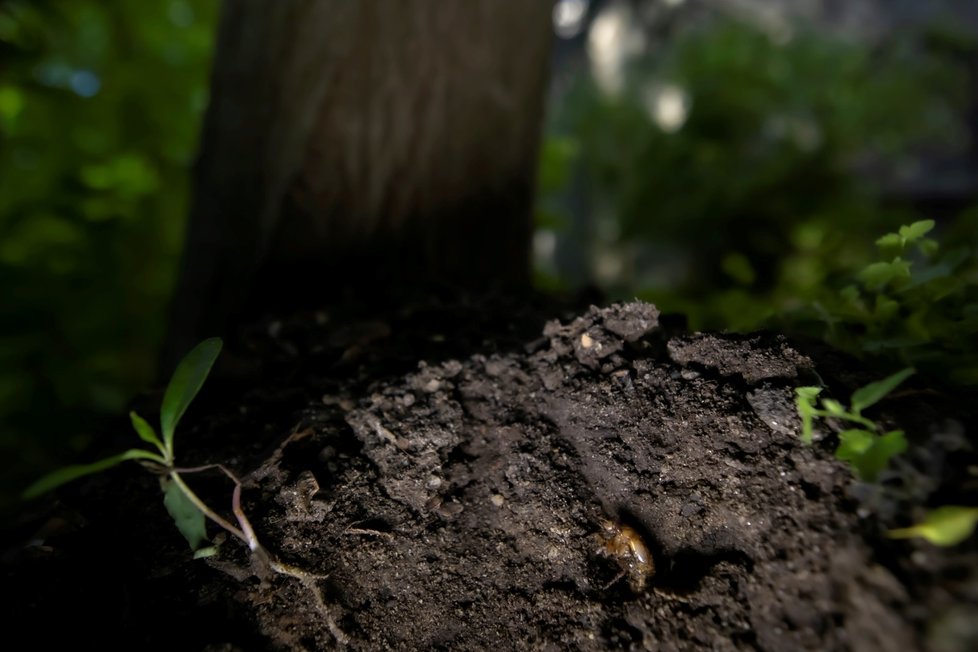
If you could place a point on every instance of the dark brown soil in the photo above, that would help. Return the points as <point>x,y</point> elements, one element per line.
<point>459,505</point>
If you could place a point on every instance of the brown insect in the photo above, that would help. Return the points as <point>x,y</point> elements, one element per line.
<point>626,547</point>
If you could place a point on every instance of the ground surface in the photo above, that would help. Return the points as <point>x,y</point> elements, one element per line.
<point>449,492</point>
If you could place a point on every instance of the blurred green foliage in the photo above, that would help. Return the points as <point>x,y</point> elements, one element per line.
<point>916,304</point>
<point>745,210</point>
<point>723,180</point>
<point>100,102</point>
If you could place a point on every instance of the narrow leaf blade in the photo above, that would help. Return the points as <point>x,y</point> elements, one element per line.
<point>188,519</point>
<point>870,394</point>
<point>187,380</point>
<point>66,474</point>
<point>145,431</point>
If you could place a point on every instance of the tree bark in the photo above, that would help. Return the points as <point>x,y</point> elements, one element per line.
<point>364,145</point>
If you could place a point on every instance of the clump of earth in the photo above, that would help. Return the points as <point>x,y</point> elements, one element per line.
<point>464,492</point>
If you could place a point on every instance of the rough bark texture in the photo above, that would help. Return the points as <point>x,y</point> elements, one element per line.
<point>374,142</point>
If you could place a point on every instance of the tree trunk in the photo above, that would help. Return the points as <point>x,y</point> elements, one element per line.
<point>362,145</point>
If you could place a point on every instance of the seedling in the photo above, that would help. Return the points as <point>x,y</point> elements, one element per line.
<point>866,449</point>
<point>186,508</point>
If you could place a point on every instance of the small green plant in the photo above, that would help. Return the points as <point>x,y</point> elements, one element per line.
<point>866,449</point>
<point>186,508</point>
<point>915,304</point>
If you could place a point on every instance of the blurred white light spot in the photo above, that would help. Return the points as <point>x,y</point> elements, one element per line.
<point>608,266</point>
<point>667,106</point>
<point>673,3</point>
<point>613,39</point>
<point>544,246</point>
<point>568,16</point>
<point>85,83</point>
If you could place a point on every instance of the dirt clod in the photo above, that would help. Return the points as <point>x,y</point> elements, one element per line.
<point>460,506</point>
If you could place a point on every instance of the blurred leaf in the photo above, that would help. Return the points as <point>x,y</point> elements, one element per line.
<point>913,232</point>
<point>833,407</point>
<point>872,393</point>
<point>854,443</point>
<point>805,402</point>
<point>891,241</point>
<point>869,454</point>
<point>877,275</point>
<point>944,526</point>
<point>929,247</point>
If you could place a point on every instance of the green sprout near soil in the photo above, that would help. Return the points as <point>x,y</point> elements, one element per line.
<point>944,526</point>
<point>184,506</point>
<point>865,447</point>
<point>869,451</point>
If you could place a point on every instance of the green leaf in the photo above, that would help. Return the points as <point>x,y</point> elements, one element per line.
<point>944,526</point>
<point>928,247</point>
<point>917,230</point>
<point>886,309</point>
<point>187,380</point>
<point>146,432</point>
<point>189,519</point>
<point>805,402</point>
<point>66,474</point>
<point>834,408</point>
<point>853,443</point>
<point>868,454</point>
<point>870,462</point>
<point>875,276</point>
<point>866,396</point>
<point>808,393</point>
<point>849,294</point>
<point>890,240</point>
